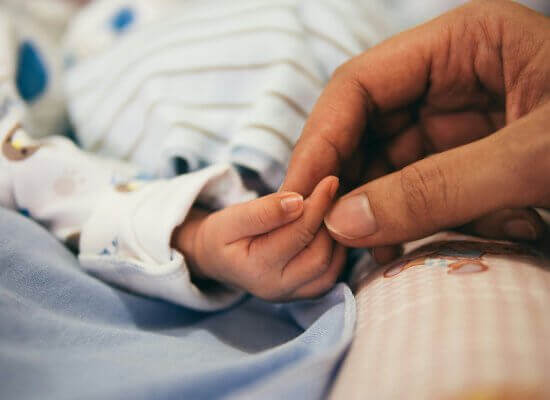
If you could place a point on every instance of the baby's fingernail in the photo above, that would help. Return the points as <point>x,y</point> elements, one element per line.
<point>520,229</point>
<point>352,217</point>
<point>292,203</point>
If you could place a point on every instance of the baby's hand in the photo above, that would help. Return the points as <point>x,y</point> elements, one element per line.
<point>274,247</point>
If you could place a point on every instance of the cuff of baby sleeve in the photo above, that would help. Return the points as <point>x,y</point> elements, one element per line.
<point>127,239</point>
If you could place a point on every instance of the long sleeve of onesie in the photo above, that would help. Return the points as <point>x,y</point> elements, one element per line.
<point>121,221</point>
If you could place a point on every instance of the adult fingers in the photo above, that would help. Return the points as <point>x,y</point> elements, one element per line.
<point>513,224</point>
<point>357,88</point>
<point>506,170</point>
<point>385,254</point>
<point>510,224</point>
<point>326,281</point>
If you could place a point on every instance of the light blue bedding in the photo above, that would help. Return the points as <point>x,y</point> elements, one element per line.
<point>67,335</point>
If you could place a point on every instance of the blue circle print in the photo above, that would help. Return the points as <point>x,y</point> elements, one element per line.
<point>32,76</point>
<point>123,19</point>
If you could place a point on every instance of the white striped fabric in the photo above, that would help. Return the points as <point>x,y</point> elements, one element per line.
<point>208,81</point>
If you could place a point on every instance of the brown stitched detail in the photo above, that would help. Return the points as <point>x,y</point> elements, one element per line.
<point>284,61</point>
<point>194,21</point>
<point>11,132</point>
<point>189,41</point>
<point>215,106</point>
<point>211,134</point>
<point>199,21</point>
<point>290,102</point>
<point>152,106</point>
<point>182,124</point>
<point>365,43</point>
<point>13,154</point>
<point>293,64</point>
<point>73,241</point>
<point>331,41</point>
<point>282,136</point>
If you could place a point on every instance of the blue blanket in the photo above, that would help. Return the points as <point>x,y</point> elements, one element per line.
<point>67,335</point>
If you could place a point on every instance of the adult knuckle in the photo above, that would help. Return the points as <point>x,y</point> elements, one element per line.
<point>341,70</point>
<point>426,189</point>
<point>349,71</point>
<point>414,189</point>
<point>530,178</point>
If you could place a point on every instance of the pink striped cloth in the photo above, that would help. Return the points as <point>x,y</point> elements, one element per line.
<point>456,319</point>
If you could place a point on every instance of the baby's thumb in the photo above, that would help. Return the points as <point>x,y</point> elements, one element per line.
<point>442,191</point>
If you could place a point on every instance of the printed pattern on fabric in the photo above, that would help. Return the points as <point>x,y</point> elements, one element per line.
<point>459,257</point>
<point>425,332</point>
<point>118,220</point>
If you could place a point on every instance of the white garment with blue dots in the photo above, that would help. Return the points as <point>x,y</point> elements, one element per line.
<point>209,82</point>
<point>35,32</point>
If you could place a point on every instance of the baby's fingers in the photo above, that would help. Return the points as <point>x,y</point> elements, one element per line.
<point>259,216</point>
<point>281,245</point>
<point>326,281</point>
<point>310,263</point>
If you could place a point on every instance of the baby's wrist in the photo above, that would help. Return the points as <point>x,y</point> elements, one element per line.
<point>187,239</point>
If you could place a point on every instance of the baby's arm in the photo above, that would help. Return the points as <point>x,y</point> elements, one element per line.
<point>274,247</point>
<point>121,222</point>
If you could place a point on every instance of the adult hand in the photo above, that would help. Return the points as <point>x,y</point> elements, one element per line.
<point>471,90</point>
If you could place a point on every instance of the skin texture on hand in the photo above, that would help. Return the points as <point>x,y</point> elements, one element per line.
<point>435,128</point>
<point>274,247</point>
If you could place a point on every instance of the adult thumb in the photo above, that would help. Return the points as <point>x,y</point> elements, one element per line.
<point>443,191</point>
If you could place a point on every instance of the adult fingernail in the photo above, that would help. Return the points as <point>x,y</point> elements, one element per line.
<point>334,187</point>
<point>292,203</point>
<point>352,217</point>
<point>520,229</point>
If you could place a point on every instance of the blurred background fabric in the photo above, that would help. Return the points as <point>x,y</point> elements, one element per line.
<point>408,13</point>
<point>43,23</point>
